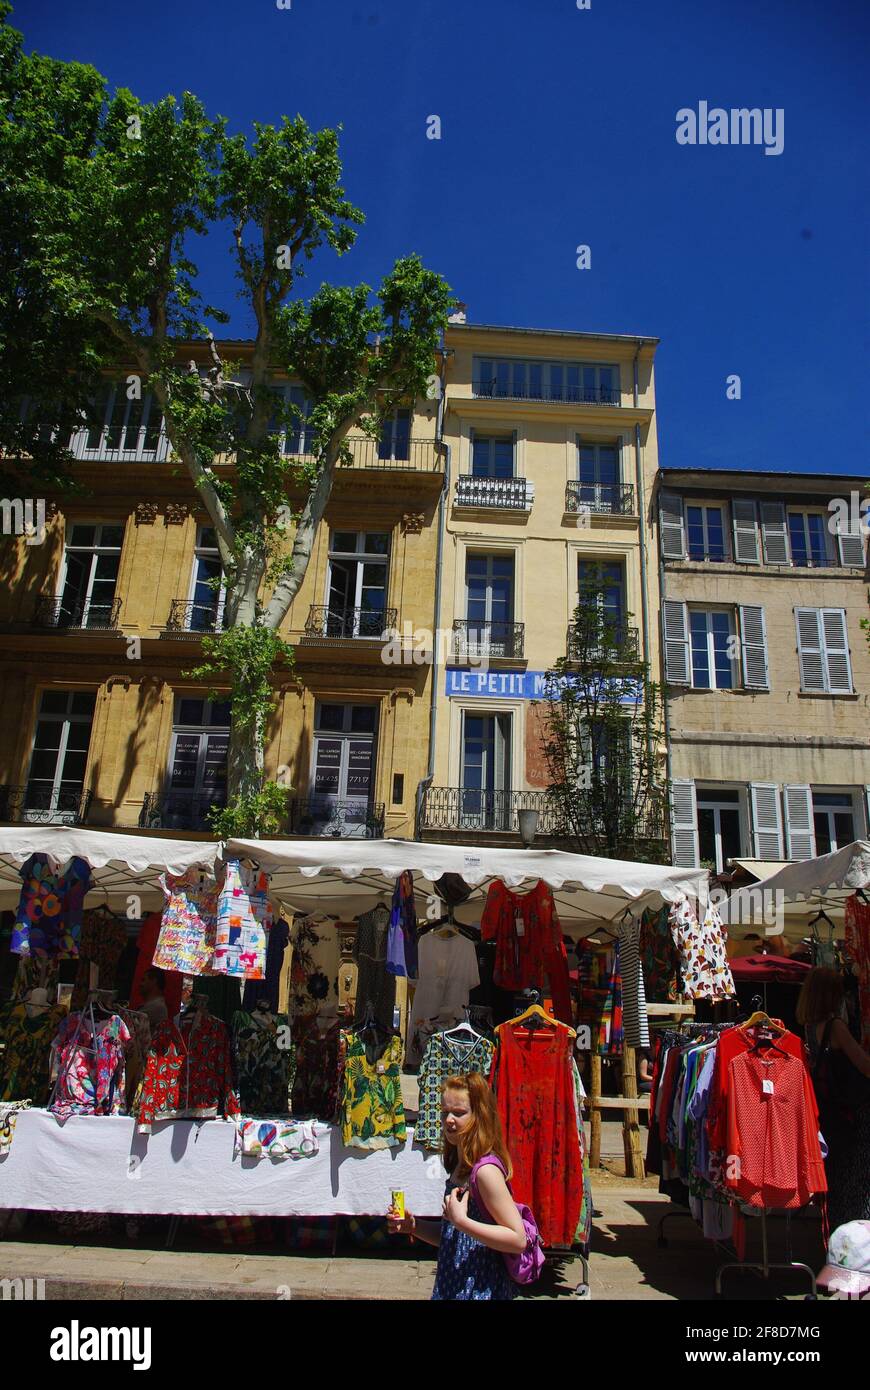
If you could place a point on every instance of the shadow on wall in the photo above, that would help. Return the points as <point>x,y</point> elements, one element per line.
<point>141,734</point>
<point>27,572</point>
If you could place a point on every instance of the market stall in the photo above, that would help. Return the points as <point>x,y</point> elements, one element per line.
<point>291,1104</point>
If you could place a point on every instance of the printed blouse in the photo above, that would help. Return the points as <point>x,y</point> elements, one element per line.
<point>188,1073</point>
<point>704,966</point>
<point>25,1059</point>
<point>265,1062</point>
<point>244,915</point>
<point>372,1115</point>
<point>89,1065</point>
<point>446,1056</point>
<point>49,917</point>
<point>188,931</point>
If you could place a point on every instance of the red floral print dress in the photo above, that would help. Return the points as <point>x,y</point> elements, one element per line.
<point>529,945</point>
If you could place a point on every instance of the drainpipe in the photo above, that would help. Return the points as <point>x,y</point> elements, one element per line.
<point>641,508</point>
<point>666,712</point>
<point>425,782</point>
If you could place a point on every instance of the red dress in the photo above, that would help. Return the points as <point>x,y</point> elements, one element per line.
<point>773,1147</point>
<point>534,1088</point>
<point>529,945</point>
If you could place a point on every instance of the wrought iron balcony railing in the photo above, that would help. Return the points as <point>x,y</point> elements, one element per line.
<point>399,454</point>
<point>614,499</point>
<point>176,810</point>
<point>348,624</point>
<point>327,817</point>
<point>470,808</point>
<point>619,644</point>
<point>496,639</point>
<point>574,395</point>
<point>59,613</point>
<point>510,493</point>
<point>187,617</point>
<point>38,805</point>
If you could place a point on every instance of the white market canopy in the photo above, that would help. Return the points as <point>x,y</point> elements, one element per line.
<point>121,865</point>
<point>346,877</point>
<point>349,876</point>
<point>825,881</point>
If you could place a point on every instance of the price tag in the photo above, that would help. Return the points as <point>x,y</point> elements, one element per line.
<point>519,924</point>
<point>381,1068</point>
<point>767,1086</point>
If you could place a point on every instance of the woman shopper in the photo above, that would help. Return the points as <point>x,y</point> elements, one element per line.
<point>479,1227</point>
<point>840,1069</point>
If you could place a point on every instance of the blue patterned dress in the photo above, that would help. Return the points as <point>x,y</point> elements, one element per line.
<point>468,1270</point>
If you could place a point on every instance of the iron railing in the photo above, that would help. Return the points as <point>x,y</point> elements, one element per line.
<point>617,644</point>
<point>470,808</point>
<point>179,811</point>
<point>574,395</point>
<point>614,499</point>
<point>35,805</point>
<point>509,493</point>
<point>188,616</point>
<point>58,613</point>
<point>339,624</point>
<point>474,638</point>
<point>350,819</point>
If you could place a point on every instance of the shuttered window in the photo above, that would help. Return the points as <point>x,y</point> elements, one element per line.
<point>823,650</point>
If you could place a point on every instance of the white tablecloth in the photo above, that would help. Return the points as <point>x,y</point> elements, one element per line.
<point>189,1168</point>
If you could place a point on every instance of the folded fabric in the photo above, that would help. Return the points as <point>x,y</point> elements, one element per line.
<point>276,1138</point>
<point>9,1111</point>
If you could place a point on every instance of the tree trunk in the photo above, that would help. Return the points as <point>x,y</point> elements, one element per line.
<point>245,761</point>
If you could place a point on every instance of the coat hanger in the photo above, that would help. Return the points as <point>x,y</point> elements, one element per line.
<point>821,916</point>
<point>534,1011</point>
<point>761,1019</point>
<point>859,893</point>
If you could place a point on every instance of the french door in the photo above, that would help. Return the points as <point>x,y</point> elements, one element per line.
<point>485,774</point>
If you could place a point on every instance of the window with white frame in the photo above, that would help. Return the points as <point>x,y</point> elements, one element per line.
<point>809,538</point>
<point>706,534</point>
<point>712,637</point>
<point>207,594</point>
<point>492,455</point>
<point>357,583</point>
<point>395,438</point>
<point>124,424</point>
<point>720,825</point>
<point>197,778</point>
<point>833,820</point>
<point>56,778</point>
<point>526,379</point>
<point>89,575</point>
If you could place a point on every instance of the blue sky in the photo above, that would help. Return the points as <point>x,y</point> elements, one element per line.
<point>558,129</point>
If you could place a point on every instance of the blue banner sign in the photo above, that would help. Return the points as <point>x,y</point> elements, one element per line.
<point>518,685</point>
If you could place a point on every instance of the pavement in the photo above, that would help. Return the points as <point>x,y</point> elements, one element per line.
<point>626,1263</point>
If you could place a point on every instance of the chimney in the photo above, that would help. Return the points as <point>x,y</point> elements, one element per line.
<point>458,315</point>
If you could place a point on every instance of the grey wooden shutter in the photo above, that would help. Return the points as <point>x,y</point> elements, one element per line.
<point>774,534</point>
<point>851,545</point>
<point>672,526</point>
<point>766,820</point>
<point>799,828</point>
<point>839,671</point>
<point>745,526</point>
<point>684,824</point>
<point>753,643</point>
<point>675,623</point>
<point>809,637</point>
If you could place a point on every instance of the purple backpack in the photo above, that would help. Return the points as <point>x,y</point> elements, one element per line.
<point>526,1267</point>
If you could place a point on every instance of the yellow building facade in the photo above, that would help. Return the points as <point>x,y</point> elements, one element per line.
<point>552,455</point>
<point>103,617</point>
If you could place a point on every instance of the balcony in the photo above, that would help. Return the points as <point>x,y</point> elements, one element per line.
<point>179,811</point>
<point>572,395</point>
<point>472,638</point>
<point>324,816</point>
<point>189,617</point>
<point>463,810</point>
<point>34,805</point>
<point>503,494</point>
<point>468,808</point>
<point>62,615</point>
<point>622,645</point>
<point>420,456</point>
<point>610,499</point>
<point>329,624</point>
